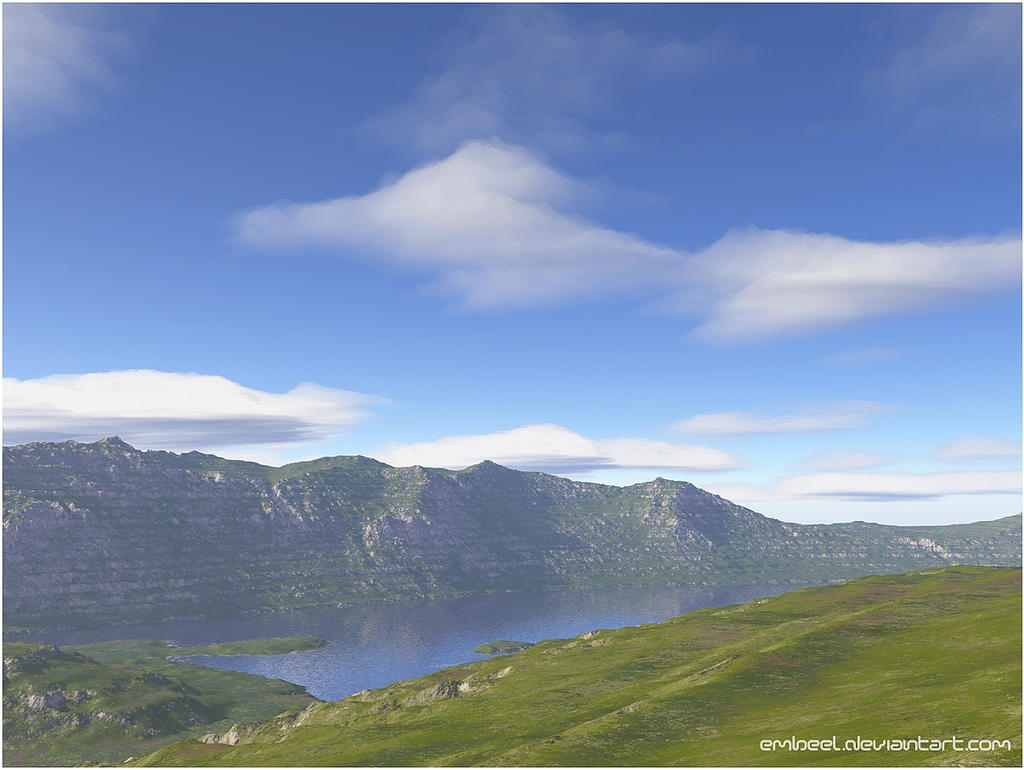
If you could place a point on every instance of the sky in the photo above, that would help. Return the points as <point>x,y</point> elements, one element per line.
<point>773,250</point>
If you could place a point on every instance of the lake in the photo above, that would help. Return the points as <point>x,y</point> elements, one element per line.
<point>373,645</point>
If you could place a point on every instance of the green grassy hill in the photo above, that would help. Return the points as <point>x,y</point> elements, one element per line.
<point>104,702</point>
<point>933,654</point>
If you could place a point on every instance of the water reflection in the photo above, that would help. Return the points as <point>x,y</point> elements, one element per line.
<point>373,645</point>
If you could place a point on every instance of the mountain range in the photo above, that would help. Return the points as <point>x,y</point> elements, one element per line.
<point>102,533</point>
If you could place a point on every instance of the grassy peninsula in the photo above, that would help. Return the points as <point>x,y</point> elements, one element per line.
<point>107,701</point>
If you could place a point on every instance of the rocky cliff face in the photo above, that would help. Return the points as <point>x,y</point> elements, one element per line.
<point>104,533</point>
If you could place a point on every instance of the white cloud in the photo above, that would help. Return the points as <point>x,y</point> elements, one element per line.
<point>170,410</point>
<point>769,283</point>
<point>497,228</point>
<point>531,75</point>
<point>978,448</point>
<point>874,486</point>
<point>56,58</point>
<point>555,449</point>
<point>841,459</point>
<point>485,219</point>
<point>838,416</point>
<point>896,486</point>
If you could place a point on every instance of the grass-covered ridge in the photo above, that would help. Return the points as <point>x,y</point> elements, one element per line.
<point>932,654</point>
<point>107,701</point>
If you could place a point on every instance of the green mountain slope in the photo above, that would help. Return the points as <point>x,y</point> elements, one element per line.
<point>104,702</point>
<point>103,533</point>
<point>933,655</point>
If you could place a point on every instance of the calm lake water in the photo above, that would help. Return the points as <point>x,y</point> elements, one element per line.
<point>374,645</point>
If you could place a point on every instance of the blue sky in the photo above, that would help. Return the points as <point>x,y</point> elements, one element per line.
<point>772,250</point>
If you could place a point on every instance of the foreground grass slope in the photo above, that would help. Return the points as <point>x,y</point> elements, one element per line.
<point>104,702</point>
<point>935,654</point>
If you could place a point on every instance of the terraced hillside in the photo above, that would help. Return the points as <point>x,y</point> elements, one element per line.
<point>926,656</point>
<point>103,533</point>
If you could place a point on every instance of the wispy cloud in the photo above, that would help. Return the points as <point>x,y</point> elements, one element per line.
<point>532,75</point>
<point>56,59</point>
<point>871,486</point>
<point>554,449</point>
<point>839,416</point>
<point>963,72</point>
<point>978,449</point>
<point>769,283</point>
<point>841,459</point>
<point>498,227</point>
<point>178,411</point>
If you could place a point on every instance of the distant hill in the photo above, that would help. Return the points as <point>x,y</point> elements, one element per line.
<point>103,533</point>
<point>902,662</point>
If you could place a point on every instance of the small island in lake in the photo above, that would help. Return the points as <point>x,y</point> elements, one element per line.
<point>275,646</point>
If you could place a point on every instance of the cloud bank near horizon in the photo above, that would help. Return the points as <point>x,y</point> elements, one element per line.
<point>186,411</point>
<point>176,411</point>
<point>875,486</point>
<point>554,449</point>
